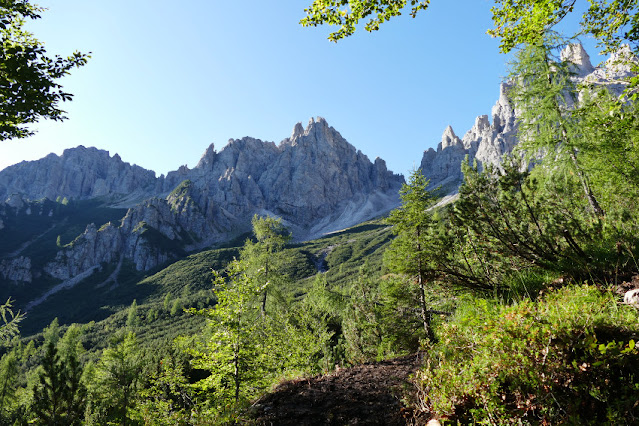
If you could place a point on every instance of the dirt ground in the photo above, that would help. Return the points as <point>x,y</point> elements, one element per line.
<point>368,394</point>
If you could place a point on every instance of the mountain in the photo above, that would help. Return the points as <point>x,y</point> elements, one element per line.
<point>67,217</point>
<point>488,140</point>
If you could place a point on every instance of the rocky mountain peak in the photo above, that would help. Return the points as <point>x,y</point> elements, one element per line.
<point>80,173</point>
<point>576,54</point>
<point>449,138</point>
<point>487,143</point>
<point>315,181</point>
<point>298,131</point>
<point>208,158</point>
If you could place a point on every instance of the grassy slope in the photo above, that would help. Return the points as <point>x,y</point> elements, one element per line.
<point>160,294</point>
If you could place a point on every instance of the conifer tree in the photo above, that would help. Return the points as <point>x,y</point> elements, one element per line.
<point>116,377</point>
<point>410,253</point>
<point>232,351</point>
<point>263,259</point>
<point>59,399</point>
<point>8,378</point>
<point>132,319</point>
<point>546,98</point>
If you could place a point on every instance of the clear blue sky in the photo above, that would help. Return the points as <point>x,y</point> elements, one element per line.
<point>168,78</point>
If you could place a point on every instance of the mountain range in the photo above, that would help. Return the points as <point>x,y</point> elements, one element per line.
<point>64,218</point>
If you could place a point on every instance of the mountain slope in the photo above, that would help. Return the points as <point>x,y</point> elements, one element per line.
<point>96,213</point>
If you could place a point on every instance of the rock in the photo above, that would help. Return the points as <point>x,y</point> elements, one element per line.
<point>80,173</point>
<point>315,181</point>
<point>631,297</point>
<point>17,269</point>
<point>576,54</point>
<point>487,142</point>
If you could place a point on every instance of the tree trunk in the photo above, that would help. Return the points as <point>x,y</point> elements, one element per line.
<point>594,205</point>
<point>236,373</point>
<point>263,307</point>
<point>422,293</point>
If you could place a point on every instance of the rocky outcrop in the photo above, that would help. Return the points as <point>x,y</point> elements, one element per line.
<point>150,234</point>
<point>310,176</point>
<point>315,181</point>
<point>17,269</point>
<point>80,173</point>
<point>488,140</point>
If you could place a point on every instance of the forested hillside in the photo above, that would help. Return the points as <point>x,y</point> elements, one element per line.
<point>507,301</point>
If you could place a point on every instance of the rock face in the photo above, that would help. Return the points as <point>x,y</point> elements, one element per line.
<point>80,173</point>
<point>315,181</point>
<point>313,175</point>
<point>16,269</point>
<point>488,141</point>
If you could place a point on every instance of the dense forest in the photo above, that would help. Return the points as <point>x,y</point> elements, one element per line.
<point>512,292</point>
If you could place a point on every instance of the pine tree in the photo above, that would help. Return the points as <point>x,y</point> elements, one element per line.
<point>132,319</point>
<point>59,399</point>
<point>8,378</point>
<point>116,377</point>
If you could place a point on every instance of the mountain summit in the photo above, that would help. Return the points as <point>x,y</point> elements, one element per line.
<point>315,181</point>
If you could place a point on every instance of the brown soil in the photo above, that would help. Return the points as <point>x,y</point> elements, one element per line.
<point>368,394</point>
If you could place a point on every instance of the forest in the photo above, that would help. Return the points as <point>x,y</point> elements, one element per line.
<point>512,293</point>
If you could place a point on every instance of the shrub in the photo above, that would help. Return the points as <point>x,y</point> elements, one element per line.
<point>568,358</point>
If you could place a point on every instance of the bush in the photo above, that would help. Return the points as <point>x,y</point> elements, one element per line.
<point>568,358</point>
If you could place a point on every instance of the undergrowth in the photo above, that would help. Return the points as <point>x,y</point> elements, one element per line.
<point>568,358</point>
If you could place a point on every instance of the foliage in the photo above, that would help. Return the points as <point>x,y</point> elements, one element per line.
<point>167,397</point>
<point>60,397</point>
<point>263,259</point>
<point>569,358</point>
<point>611,22</point>
<point>410,253</point>
<point>28,77</point>
<point>547,99</point>
<point>115,380</point>
<point>347,13</point>
<point>10,320</point>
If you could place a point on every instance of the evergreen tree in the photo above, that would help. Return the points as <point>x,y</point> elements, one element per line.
<point>8,381</point>
<point>10,320</point>
<point>410,253</point>
<point>59,399</point>
<point>263,259</point>
<point>132,319</point>
<point>116,378</point>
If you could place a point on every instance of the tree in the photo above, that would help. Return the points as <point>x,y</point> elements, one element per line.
<point>611,22</point>
<point>232,353</point>
<point>263,258</point>
<point>28,77</point>
<point>546,99</point>
<point>116,377</point>
<point>348,13</point>
<point>60,397</point>
<point>8,379</point>
<point>9,328</point>
<point>410,253</point>
<point>132,319</point>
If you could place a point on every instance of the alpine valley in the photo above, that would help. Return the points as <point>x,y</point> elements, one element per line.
<point>82,222</point>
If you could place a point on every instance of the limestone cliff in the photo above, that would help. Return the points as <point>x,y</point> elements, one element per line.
<point>314,180</point>
<point>488,140</point>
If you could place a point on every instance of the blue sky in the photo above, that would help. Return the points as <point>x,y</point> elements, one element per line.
<point>167,78</point>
